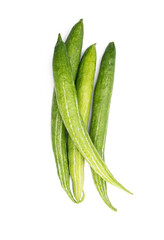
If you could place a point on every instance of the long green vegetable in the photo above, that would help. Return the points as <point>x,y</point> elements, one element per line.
<point>84,87</point>
<point>100,112</point>
<point>58,134</point>
<point>69,110</point>
<point>58,131</point>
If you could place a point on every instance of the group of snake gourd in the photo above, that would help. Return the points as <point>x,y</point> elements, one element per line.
<point>71,141</point>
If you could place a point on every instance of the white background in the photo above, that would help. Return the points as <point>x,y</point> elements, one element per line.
<point>32,203</point>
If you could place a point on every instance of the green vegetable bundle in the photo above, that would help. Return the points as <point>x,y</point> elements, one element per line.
<point>71,103</point>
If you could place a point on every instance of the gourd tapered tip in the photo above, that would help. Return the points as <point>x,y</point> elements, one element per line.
<point>59,40</point>
<point>59,37</point>
<point>94,46</point>
<point>81,20</point>
<point>128,192</point>
<point>112,45</point>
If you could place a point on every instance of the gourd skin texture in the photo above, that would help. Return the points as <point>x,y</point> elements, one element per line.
<point>74,46</point>
<point>69,110</point>
<point>84,87</point>
<point>100,112</point>
<point>58,131</point>
<point>59,134</point>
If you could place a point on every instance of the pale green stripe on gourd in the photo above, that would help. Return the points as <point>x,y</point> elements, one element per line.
<point>84,88</point>
<point>69,110</point>
<point>59,135</point>
<point>100,112</point>
<point>58,131</point>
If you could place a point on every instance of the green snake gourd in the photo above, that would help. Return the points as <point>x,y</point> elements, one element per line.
<point>100,112</point>
<point>84,88</point>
